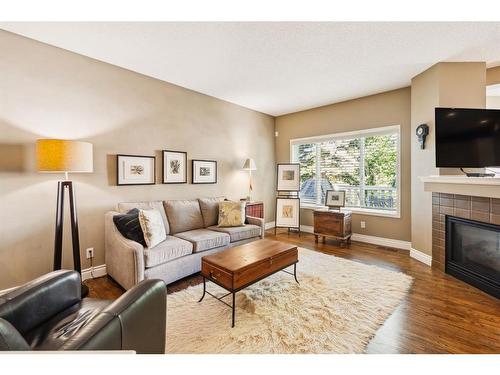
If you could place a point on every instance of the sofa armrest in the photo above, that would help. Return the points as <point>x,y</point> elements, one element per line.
<point>39,300</point>
<point>259,222</point>
<point>124,257</point>
<point>143,317</point>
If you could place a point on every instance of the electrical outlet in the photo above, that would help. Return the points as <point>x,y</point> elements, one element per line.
<point>363,224</point>
<point>90,252</point>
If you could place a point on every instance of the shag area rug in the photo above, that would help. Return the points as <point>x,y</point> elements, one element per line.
<point>337,308</point>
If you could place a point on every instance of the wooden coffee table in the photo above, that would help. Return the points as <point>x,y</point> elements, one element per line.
<point>241,266</point>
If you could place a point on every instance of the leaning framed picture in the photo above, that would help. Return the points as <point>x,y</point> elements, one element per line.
<point>204,172</point>
<point>288,177</point>
<point>135,170</point>
<point>287,212</point>
<point>335,199</point>
<point>174,169</point>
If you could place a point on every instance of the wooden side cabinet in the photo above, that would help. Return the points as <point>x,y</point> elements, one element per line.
<point>335,224</point>
<point>255,209</point>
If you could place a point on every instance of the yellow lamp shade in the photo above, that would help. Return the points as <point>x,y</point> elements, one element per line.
<point>58,155</point>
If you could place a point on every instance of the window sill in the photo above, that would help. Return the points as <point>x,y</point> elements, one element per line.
<point>356,210</point>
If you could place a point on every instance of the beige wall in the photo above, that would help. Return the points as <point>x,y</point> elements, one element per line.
<point>49,92</point>
<point>445,85</point>
<point>493,76</point>
<point>389,108</point>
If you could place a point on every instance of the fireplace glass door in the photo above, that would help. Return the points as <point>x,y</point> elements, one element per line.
<point>473,253</point>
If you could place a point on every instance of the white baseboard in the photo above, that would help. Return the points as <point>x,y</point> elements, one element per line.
<point>307,228</point>
<point>420,256</point>
<point>381,241</point>
<point>269,225</point>
<point>97,271</point>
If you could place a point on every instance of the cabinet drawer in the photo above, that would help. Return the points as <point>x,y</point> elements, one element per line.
<point>265,268</point>
<point>214,273</point>
<point>332,225</point>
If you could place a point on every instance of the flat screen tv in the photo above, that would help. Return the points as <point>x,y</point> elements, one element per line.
<point>467,138</point>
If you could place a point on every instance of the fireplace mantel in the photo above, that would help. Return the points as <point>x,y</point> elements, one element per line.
<point>475,186</point>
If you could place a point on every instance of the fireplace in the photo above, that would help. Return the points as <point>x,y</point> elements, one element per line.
<point>472,253</point>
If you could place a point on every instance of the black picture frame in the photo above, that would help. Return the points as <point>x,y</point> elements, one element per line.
<point>163,152</point>
<point>328,192</point>
<point>278,177</point>
<point>193,169</point>
<point>118,156</point>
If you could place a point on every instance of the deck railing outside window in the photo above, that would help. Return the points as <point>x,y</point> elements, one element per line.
<point>364,164</point>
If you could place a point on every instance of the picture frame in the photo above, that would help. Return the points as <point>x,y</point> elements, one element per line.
<point>335,198</point>
<point>287,213</point>
<point>174,167</point>
<point>135,170</point>
<point>288,177</point>
<point>204,171</point>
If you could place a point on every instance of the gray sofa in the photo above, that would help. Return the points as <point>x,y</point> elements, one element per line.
<point>192,232</point>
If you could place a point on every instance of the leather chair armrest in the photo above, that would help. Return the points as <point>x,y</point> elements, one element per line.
<point>142,312</point>
<point>37,301</point>
<point>257,221</point>
<point>10,339</point>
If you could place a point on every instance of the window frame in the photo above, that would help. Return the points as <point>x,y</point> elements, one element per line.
<point>384,130</point>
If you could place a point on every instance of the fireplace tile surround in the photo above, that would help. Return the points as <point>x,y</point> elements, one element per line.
<point>481,209</point>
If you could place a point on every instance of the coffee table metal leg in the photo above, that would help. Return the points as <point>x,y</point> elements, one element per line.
<point>234,308</point>
<point>295,272</point>
<point>204,289</point>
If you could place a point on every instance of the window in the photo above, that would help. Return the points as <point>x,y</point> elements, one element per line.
<point>364,164</point>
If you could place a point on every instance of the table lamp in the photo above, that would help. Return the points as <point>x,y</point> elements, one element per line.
<point>64,156</point>
<point>249,166</point>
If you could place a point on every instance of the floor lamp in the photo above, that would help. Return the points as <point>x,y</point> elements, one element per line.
<point>62,156</point>
<point>250,166</point>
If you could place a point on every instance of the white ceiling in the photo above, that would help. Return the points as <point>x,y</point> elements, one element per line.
<point>276,67</point>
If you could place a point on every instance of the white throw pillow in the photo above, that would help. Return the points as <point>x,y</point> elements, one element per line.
<point>152,227</point>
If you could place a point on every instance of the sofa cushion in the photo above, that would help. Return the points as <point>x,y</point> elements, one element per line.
<point>239,233</point>
<point>152,227</point>
<point>157,205</point>
<point>210,210</point>
<point>171,248</point>
<point>183,216</point>
<point>204,239</point>
<point>231,214</point>
<point>129,226</point>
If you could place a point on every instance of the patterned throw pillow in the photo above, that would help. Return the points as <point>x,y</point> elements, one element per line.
<point>231,214</point>
<point>129,226</point>
<point>152,227</point>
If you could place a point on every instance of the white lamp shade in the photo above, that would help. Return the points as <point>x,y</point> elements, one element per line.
<point>249,165</point>
<point>58,155</point>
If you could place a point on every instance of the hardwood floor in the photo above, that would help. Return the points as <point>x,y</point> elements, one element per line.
<point>440,314</point>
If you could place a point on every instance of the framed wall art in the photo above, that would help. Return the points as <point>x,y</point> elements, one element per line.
<point>174,169</point>
<point>135,170</point>
<point>204,172</point>
<point>335,199</point>
<point>288,177</point>
<point>287,212</point>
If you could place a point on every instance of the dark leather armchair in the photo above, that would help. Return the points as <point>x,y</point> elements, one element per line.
<point>48,313</point>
